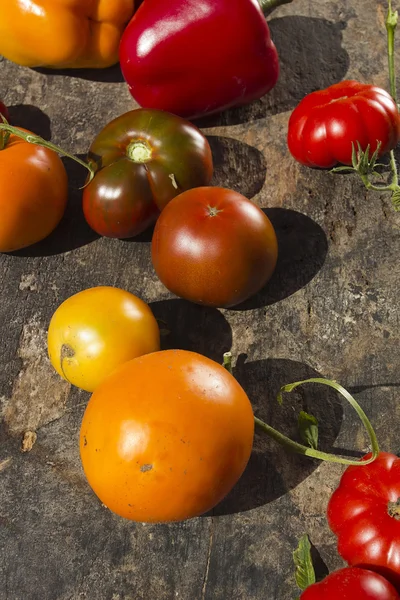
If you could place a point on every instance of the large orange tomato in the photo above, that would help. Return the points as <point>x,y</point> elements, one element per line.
<point>34,191</point>
<point>97,330</point>
<point>166,436</point>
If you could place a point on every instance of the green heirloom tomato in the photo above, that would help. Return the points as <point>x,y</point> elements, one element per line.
<point>141,161</point>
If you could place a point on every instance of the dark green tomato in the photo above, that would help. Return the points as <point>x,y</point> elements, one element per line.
<point>142,160</point>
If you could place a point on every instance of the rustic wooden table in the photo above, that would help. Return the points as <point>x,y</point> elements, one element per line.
<point>332,308</point>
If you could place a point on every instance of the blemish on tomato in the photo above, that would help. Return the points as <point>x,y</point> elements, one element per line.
<point>145,468</point>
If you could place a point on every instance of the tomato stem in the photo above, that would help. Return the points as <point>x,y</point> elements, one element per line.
<point>4,135</point>
<point>39,141</point>
<point>267,6</point>
<point>139,151</point>
<point>391,24</point>
<point>227,363</point>
<point>290,444</point>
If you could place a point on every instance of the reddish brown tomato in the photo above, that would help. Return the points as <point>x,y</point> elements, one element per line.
<point>142,160</point>
<point>166,436</point>
<point>213,246</point>
<point>351,584</point>
<point>324,125</point>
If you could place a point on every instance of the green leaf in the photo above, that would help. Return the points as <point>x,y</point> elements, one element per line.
<point>304,574</point>
<point>396,199</point>
<point>308,427</point>
<point>374,157</point>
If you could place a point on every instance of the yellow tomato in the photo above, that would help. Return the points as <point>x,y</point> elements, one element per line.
<point>97,330</point>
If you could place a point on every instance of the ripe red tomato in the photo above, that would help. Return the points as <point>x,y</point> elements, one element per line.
<point>213,246</point>
<point>166,436</point>
<point>142,160</point>
<point>351,584</point>
<point>364,513</point>
<point>325,123</point>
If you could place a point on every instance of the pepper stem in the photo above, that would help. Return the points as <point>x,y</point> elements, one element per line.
<point>306,450</point>
<point>267,6</point>
<point>31,138</point>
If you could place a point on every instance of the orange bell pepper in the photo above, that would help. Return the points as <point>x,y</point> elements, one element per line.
<point>63,33</point>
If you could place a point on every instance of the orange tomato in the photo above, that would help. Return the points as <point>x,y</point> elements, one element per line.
<point>98,329</point>
<point>166,436</point>
<point>34,191</point>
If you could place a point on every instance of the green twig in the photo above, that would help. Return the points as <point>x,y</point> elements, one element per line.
<point>267,6</point>
<point>391,24</point>
<point>311,452</point>
<point>31,138</point>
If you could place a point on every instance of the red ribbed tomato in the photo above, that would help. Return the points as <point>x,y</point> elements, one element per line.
<point>324,125</point>
<point>364,513</point>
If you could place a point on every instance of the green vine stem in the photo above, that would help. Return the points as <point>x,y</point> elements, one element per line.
<point>6,130</point>
<point>391,24</point>
<point>291,445</point>
<point>267,6</point>
<point>227,361</point>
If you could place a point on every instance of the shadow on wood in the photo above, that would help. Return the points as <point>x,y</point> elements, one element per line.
<point>311,58</point>
<point>271,471</point>
<point>192,327</point>
<point>302,249</point>
<point>32,118</point>
<point>110,75</point>
<point>237,166</point>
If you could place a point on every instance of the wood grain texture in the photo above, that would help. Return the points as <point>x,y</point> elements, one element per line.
<point>331,309</point>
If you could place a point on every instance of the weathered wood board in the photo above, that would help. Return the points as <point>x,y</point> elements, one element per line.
<point>332,308</point>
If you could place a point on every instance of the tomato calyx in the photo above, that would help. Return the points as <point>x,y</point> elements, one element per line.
<point>394,509</point>
<point>365,166</point>
<point>291,445</point>
<point>139,151</point>
<point>66,352</point>
<point>213,211</point>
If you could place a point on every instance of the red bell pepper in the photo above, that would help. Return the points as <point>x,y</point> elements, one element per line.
<point>196,57</point>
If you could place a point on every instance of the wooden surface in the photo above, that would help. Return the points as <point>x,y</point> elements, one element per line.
<point>332,308</point>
